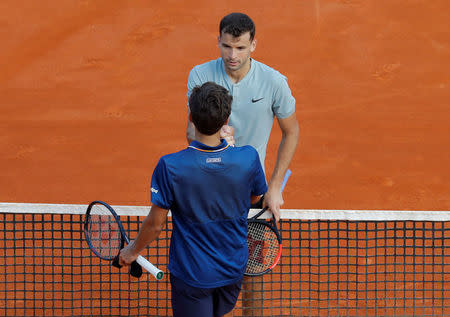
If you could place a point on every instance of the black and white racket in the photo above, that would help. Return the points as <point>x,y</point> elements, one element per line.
<point>264,241</point>
<point>106,236</point>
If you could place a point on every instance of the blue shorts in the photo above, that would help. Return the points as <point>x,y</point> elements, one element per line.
<point>190,301</point>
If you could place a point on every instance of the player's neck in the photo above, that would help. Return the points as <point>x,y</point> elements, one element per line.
<point>237,75</point>
<point>209,140</point>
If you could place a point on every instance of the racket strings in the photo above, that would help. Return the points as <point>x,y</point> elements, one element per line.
<point>104,232</point>
<point>263,247</point>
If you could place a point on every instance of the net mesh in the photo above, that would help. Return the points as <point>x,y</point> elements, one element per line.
<point>329,267</point>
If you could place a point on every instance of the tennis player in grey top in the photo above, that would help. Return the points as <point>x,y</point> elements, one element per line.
<point>259,92</point>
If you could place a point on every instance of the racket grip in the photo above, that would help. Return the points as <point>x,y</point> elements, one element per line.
<point>157,273</point>
<point>115,262</point>
<point>135,268</point>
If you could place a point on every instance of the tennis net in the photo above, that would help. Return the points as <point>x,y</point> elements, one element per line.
<point>334,263</point>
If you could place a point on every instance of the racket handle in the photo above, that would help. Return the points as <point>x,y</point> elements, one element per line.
<point>286,177</point>
<point>157,273</point>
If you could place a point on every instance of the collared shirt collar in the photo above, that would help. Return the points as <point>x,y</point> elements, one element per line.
<point>205,148</point>
<point>244,79</point>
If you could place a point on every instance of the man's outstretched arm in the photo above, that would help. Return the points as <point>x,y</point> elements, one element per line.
<point>286,150</point>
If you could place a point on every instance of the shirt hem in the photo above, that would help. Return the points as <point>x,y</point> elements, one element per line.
<point>208,285</point>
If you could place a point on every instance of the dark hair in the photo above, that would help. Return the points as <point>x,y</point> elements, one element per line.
<point>210,106</point>
<point>237,24</point>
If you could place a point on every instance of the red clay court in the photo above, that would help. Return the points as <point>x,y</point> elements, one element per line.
<point>92,93</point>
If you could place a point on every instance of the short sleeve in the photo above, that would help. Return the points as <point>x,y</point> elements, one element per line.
<point>161,186</point>
<point>284,103</point>
<point>259,185</point>
<point>193,81</point>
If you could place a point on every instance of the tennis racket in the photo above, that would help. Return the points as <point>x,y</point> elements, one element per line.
<point>264,242</point>
<point>106,236</point>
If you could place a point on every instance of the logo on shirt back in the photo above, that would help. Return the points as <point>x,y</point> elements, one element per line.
<point>154,190</point>
<point>213,160</point>
<point>256,100</point>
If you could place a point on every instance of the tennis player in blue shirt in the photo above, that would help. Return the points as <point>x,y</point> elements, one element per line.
<point>260,94</point>
<point>209,187</point>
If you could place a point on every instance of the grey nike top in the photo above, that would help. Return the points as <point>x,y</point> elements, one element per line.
<point>260,96</point>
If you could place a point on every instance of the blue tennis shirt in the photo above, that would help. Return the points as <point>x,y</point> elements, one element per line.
<point>208,191</point>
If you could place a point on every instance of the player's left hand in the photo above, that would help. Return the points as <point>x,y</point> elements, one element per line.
<point>274,200</point>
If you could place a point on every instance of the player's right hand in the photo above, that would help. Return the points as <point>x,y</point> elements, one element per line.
<point>274,200</point>
<point>227,133</point>
<point>127,255</point>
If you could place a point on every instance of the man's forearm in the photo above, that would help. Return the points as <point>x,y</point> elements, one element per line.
<point>286,151</point>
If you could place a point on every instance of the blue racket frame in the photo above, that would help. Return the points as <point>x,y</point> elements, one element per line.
<point>123,235</point>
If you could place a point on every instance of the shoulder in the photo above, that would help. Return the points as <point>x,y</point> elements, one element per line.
<point>249,158</point>
<point>269,76</point>
<point>204,72</point>
<point>249,149</point>
<point>173,159</point>
<point>246,151</point>
<point>207,67</point>
<point>273,80</point>
<point>267,71</point>
<point>246,157</point>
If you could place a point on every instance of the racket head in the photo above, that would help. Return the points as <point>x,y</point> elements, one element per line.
<point>264,247</point>
<point>103,230</point>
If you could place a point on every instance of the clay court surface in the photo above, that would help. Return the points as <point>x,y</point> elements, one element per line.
<point>92,93</point>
